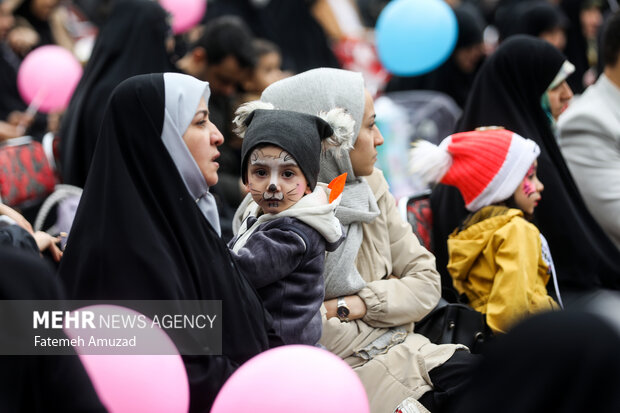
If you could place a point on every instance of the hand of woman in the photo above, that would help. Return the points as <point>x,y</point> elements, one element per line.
<point>357,307</point>
<point>46,241</point>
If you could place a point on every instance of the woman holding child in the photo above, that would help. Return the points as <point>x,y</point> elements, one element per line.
<point>289,218</point>
<point>380,280</point>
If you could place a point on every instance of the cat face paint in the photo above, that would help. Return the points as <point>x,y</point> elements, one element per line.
<point>529,191</point>
<point>275,180</point>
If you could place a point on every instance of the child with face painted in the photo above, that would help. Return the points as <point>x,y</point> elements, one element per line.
<point>289,219</point>
<point>498,259</point>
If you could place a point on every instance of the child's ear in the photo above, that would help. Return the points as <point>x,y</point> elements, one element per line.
<point>245,188</point>
<point>308,190</point>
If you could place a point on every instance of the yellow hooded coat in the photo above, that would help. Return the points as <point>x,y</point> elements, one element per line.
<point>498,264</point>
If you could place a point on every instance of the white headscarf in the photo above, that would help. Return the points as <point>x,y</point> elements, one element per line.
<point>182,96</point>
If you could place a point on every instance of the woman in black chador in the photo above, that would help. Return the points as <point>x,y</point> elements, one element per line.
<point>131,42</point>
<point>147,227</point>
<point>44,383</point>
<point>507,92</point>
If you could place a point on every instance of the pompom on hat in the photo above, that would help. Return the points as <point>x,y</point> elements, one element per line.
<point>486,165</point>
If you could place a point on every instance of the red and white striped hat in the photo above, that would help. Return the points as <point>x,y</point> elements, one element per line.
<point>486,166</point>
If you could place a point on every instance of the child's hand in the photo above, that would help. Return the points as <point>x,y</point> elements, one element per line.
<point>46,241</point>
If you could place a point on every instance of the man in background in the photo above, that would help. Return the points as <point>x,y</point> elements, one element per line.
<point>590,137</point>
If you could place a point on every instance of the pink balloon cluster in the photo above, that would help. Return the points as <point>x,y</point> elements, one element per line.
<point>47,78</point>
<point>185,13</point>
<point>296,378</point>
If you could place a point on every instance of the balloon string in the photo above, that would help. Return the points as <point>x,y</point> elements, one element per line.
<point>32,109</point>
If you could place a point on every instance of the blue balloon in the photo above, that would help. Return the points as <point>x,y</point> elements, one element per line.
<point>415,36</point>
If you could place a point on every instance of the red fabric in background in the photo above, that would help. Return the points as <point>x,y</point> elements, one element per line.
<point>25,174</point>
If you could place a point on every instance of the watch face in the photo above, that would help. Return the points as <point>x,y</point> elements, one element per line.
<point>343,312</point>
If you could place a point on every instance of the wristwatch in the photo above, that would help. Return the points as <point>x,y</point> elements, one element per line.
<point>343,310</point>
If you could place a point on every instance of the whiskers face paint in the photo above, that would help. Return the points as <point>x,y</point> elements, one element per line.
<point>275,180</point>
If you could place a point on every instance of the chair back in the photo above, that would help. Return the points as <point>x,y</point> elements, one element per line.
<point>416,210</point>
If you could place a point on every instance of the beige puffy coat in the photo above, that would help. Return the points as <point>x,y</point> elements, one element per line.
<point>389,247</point>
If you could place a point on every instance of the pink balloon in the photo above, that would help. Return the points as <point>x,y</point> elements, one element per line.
<point>136,383</point>
<point>185,13</point>
<point>48,76</point>
<point>296,378</point>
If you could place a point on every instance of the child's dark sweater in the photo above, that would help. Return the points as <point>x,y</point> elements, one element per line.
<point>283,257</point>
